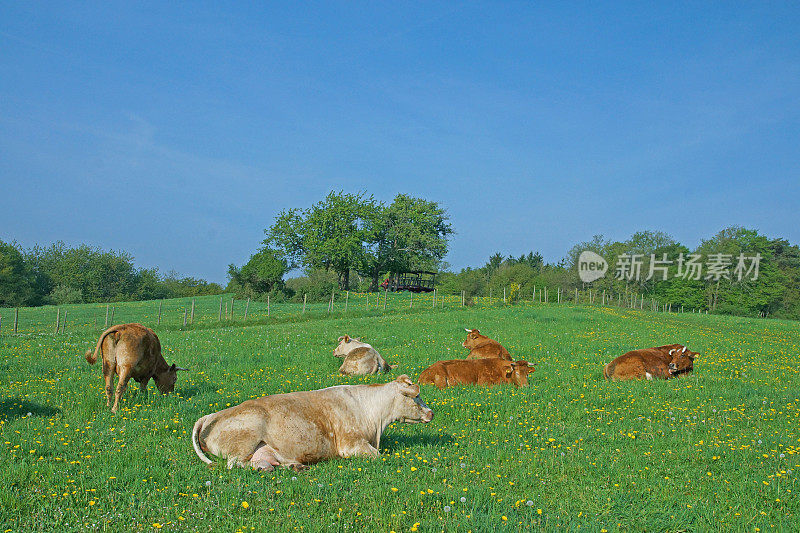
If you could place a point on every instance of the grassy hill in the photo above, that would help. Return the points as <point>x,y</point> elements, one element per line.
<point>717,450</point>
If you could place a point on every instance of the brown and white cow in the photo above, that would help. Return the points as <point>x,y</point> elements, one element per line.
<point>132,351</point>
<point>661,362</point>
<point>482,347</point>
<point>359,357</point>
<point>302,428</point>
<point>476,372</point>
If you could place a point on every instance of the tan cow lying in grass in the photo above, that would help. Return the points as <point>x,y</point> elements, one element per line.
<point>359,358</point>
<point>482,347</point>
<point>479,372</point>
<point>132,351</point>
<point>661,362</point>
<point>301,428</point>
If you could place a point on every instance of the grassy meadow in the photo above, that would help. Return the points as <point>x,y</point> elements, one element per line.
<point>717,450</point>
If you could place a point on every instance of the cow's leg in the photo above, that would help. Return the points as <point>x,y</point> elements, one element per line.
<point>440,381</point>
<point>143,386</point>
<point>109,378</point>
<point>122,385</point>
<point>264,458</point>
<point>360,448</point>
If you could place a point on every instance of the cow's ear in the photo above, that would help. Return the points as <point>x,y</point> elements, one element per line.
<point>692,355</point>
<point>172,368</point>
<point>340,339</point>
<point>509,370</point>
<point>407,387</point>
<point>346,338</point>
<point>476,332</point>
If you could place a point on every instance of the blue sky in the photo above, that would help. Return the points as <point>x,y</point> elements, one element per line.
<point>178,133</point>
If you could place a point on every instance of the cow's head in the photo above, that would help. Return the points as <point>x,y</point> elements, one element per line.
<point>516,372</point>
<point>682,361</point>
<point>409,407</point>
<point>473,339</point>
<point>346,345</point>
<point>165,381</point>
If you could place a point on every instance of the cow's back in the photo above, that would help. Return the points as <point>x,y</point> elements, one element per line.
<point>489,350</point>
<point>647,363</point>
<point>463,372</point>
<point>364,360</point>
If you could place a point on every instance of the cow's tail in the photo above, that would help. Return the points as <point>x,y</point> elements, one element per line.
<point>198,427</point>
<point>92,357</point>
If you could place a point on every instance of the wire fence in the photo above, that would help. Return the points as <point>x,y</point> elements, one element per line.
<point>213,311</point>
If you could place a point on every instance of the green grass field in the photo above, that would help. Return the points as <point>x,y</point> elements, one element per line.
<point>717,450</point>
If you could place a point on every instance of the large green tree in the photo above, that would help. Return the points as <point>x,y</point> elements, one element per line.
<point>408,234</point>
<point>330,235</point>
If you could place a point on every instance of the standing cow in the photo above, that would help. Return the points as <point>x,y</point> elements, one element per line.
<point>661,362</point>
<point>477,372</point>
<point>482,347</point>
<point>302,428</point>
<point>359,358</point>
<point>132,351</point>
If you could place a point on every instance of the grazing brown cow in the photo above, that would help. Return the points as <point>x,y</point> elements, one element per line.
<point>301,428</point>
<point>477,372</point>
<point>482,347</point>
<point>662,362</point>
<point>359,358</point>
<point>132,351</point>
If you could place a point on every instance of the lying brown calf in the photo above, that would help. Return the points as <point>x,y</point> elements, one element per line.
<point>132,351</point>
<point>482,347</point>
<point>478,372</point>
<point>301,428</point>
<point>662,362</point>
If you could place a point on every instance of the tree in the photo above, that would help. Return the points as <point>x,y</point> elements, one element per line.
<point>261,273</point>
<point>330,235</point>
<point>410,234</point>
<point>19,284</point>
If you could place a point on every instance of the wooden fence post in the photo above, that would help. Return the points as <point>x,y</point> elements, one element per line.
<point>58,318</point>
<point>192,310</point>
<point>184,317</point>
<point>385,297</point>
<point>504,295</point>
<point>106,316</point>
<point>267,305</point>
<point>64,323</point>
<point>304,304</point>
<point>226,310</point>
<point>462,298</point>
<point>219,316</point>
<point>232,300</point>
<point>434,298</point>
<point>576,295</point>
<point>346,298</point>
<point>113,312</point>
<point>411,305</point>
<point>159,313</point>
<point>247,307</point>
<point>16,318</point>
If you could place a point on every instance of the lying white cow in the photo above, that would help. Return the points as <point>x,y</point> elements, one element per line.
<point>359,358</point>
<point>301,428</point>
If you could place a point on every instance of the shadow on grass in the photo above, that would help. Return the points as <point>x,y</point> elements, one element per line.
<point>14,408</point>
<point>390,443</point>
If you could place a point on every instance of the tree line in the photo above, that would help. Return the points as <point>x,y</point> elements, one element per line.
<point>351,241</point>
<point>59,274</point>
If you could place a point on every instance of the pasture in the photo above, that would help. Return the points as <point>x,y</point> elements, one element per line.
<point>717,450</point>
